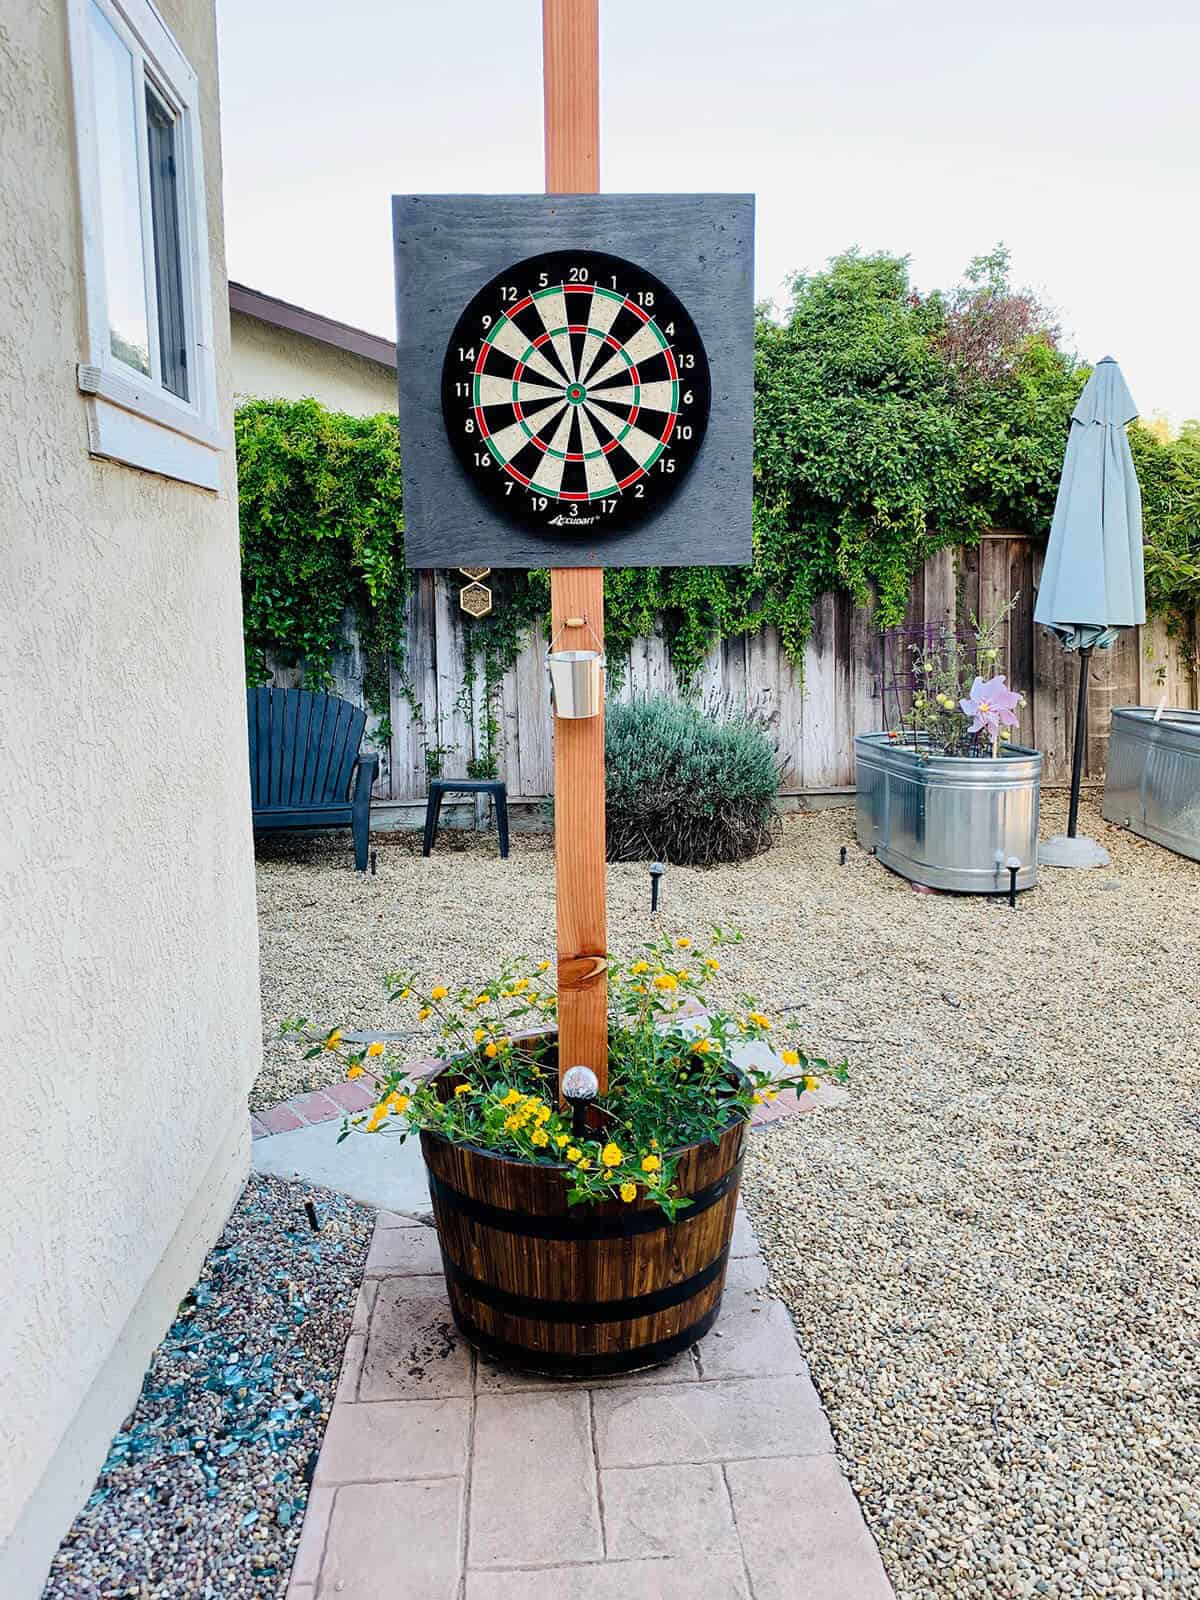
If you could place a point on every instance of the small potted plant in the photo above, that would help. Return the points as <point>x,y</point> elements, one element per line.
<point>945,797</point>
<point>591,1237</point>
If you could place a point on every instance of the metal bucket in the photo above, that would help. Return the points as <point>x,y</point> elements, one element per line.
<point>949,822</point>
<point>576,684</point>
<point>1152,785</point>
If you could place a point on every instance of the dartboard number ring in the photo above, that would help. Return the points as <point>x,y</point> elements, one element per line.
<point>575,392</point>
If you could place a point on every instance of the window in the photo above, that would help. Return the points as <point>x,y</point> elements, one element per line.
<point>148,370</point>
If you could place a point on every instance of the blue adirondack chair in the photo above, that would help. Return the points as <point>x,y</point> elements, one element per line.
<point>306,770</point>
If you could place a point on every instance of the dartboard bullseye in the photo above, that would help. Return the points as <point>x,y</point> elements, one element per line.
<point>575,392</point>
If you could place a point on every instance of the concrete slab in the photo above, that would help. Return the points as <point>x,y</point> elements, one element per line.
<point>372,1551</point>
<point>375,1169</point>
<point>819,1548</point>
<point>666,1511</point>
<point>533,1480</point>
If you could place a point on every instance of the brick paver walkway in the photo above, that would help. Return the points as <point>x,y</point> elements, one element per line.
<point>442,1477</point>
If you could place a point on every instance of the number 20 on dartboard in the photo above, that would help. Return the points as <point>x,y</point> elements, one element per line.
<point>575,392</point>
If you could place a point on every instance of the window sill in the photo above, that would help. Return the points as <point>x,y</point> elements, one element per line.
<point>140,428</point>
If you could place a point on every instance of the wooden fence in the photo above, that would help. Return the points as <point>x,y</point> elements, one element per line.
<point>812,714</point>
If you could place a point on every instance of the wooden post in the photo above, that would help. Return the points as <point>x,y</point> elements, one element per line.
<point>571,76</point>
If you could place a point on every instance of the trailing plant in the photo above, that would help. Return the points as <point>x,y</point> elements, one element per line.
<point>888,424</point>
<point>685,787</point>
<point>672,1081</point>
<point>320,511</point>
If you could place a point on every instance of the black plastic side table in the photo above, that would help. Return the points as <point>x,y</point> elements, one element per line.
<point>440,787</point>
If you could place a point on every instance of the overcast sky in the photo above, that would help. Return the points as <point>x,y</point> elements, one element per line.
<point>1069,130</point>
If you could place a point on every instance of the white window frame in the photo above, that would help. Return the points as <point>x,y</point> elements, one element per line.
<point>131,417</point>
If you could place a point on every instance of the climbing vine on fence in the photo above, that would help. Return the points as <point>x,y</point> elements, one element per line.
<point>888,424</point>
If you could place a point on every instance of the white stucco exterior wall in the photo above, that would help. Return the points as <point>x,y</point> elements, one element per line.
<point>128,955</point>
<point>271,363</point>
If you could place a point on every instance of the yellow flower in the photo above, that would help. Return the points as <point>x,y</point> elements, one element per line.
<point>772,1094</point>
<point>543,966</point>
<point>711,964</point>
<point>491,1049</point>
<point>758,1099</point>
<point>438,992</point>
<point>422,1014</point>
<point>812,1083</point>
<point>355,1071</point>
<point>397,1102</point>
<point>790,1058</point>
<point>628,1192</point>
<point>637,988</point>
<point>682,944</point>
<point>666,981</point>
<point>480,1035</point>
<point>584,1166</point>
<point>377,1117</point>
<point>511,1124</point>
<point>463,1088</point>
<point>520,986</point>
<point>334,1039</point>
<point>560,1139</point>
<point>482,999</point>
<point>612,1155</point>
<point>512,1098</point>
<point>543,1115</point>
<point>540,1136</point>
<point>650,1163</point>
<point>640,967</point>
<point>701,1047</point>
<point>759,1019</point>
<point>404,993</point>
<point>574,1153</point>
<point>683,975</point>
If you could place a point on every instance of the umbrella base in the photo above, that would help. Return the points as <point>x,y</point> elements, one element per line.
<point>1063,851</point>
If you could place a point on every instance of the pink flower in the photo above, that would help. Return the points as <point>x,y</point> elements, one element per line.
<point>992,705</point>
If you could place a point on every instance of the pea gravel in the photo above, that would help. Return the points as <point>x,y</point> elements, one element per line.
<point>203,1493</point>
<point>992,1253</point>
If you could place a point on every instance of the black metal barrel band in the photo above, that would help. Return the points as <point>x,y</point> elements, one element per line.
<point>531,1225</point>
<point>584,1366</point>
<point>582,1312</point>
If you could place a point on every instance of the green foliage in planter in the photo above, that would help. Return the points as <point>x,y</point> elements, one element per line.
<point>685,787</point>
<point>671,1081</point>
<point>319,500</point>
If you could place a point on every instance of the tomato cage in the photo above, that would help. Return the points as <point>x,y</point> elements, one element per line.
<point>926,672</point>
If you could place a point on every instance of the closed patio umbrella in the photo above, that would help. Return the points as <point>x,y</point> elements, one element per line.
<point>1092,582</point>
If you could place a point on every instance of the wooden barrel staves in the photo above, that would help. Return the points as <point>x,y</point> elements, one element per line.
<point>580,1290</point>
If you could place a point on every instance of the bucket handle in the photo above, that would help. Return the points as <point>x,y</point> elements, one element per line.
<point>573,623</point>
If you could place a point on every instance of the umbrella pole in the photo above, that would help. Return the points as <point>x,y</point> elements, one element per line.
<point>1085,659</point>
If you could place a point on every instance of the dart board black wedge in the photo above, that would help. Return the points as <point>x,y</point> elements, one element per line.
<point>575,379</point>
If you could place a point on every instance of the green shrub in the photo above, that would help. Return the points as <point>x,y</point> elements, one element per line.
<point>685,787</point>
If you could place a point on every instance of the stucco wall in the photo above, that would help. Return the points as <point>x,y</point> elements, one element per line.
<point>273,363</point>
<point>128,958</point>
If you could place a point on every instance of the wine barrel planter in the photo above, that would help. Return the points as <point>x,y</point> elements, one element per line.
<point>584,1290</point>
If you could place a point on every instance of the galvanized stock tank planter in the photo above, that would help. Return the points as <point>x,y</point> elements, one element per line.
<point>949,822</point>
<point>1153,781</point>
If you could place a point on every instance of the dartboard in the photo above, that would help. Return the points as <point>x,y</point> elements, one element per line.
<point>575,392</point>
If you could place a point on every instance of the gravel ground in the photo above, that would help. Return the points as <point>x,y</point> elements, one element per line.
<point>993,1253</point>
<point>203,1492</point>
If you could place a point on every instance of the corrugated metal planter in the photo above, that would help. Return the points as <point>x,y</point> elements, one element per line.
<point>1153,780</point>
<point>949,822</point>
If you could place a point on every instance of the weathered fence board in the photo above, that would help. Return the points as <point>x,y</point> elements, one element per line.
<point>812,714</point>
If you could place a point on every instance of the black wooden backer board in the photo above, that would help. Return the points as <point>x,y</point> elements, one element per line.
<point>700,245</point>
